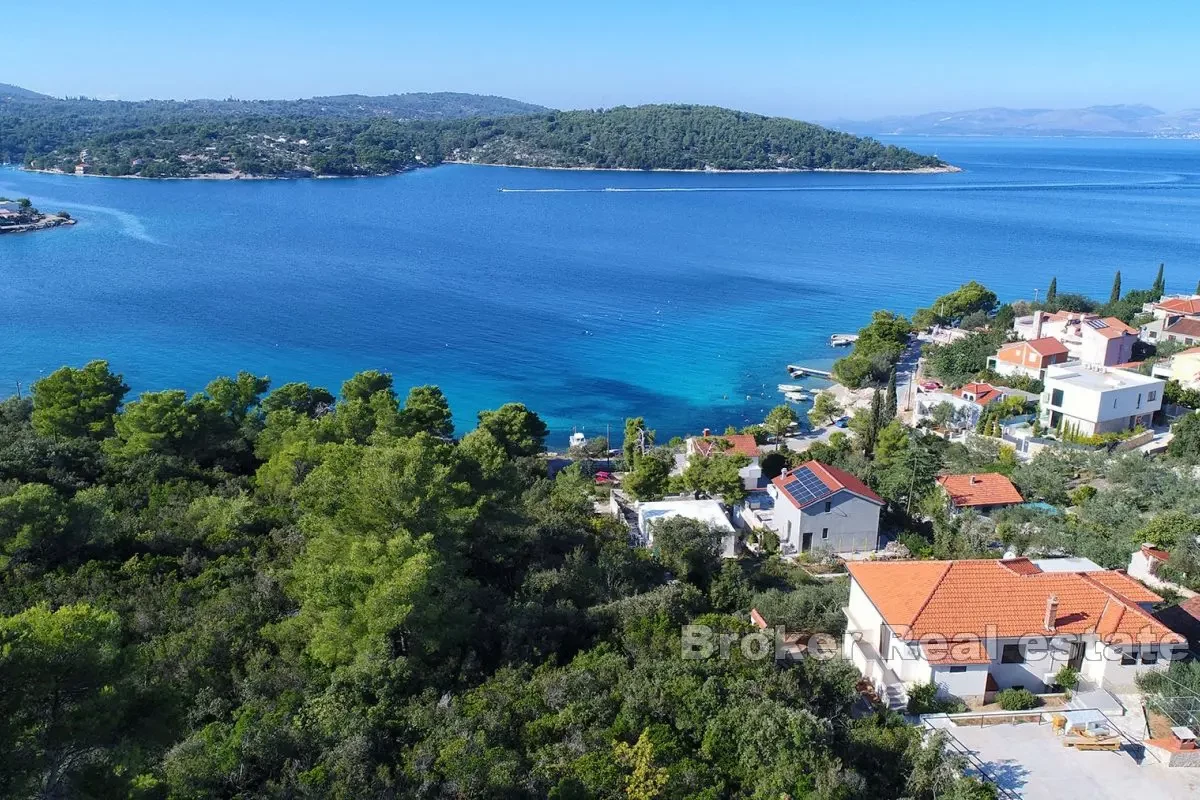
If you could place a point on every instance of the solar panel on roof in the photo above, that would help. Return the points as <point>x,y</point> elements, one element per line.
<point>1097,324</point>
<point>805,486</point>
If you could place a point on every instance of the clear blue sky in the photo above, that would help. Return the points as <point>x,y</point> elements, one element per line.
<point>803,58</point>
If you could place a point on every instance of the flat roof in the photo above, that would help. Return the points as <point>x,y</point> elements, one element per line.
<point>1099,380</point>
<point>709,511</point>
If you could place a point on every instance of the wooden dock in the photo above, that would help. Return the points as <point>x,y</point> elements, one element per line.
<point>795,370</point>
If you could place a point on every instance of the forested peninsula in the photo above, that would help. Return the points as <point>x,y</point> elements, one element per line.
<point>354,135</point>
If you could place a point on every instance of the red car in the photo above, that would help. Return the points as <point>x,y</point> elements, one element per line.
<point>930,386</point>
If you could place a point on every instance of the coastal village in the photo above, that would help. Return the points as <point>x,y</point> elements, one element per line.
<point>1011,501</point>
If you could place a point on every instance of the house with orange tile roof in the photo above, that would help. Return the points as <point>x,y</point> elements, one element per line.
<point>1106,341</point>
<point>820,506</point>
<point>975,627</point>
<point>1176,319</point>
<point>1028,358</point>
<point>982,491</point>
<point>740,444</point>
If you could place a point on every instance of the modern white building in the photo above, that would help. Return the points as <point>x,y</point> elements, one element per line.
<point>709,512</point>
<point>1093,400</point>
<point>977,627</point>
<point>819,506</point>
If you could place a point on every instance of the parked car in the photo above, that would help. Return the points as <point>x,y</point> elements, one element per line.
<point>929,386</point>
<point>842,422</point>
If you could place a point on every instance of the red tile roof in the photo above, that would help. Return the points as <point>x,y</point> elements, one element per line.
<point>961,600</point>
<point>834,479</point>
<point>739,444</point>
<point>984,392</point>
<point>1115,329</point>
<point>1181,305</point>
<point>1185,327</point>
<point>981,489</point>
<point>1154,552</point>
<point>1047,346</point>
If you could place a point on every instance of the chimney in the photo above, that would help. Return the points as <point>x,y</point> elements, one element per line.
<point>707,432</point>
<point>1051,612</point>
<point>783,473</point>
<point>974,479</point>
<point>1037,324</point>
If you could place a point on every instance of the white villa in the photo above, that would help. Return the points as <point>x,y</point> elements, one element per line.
<point>977,627</point>
<point>1098,399</point>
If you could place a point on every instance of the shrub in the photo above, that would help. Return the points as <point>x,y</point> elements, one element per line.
<point>1067,678</point>
<point>923,699</point>
<point>1082,495</point>
<point>1017,700</point>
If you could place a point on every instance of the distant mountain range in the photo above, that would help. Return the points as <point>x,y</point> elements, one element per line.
<point>10,92</point>
<point>408,106</point>
<point>1118,120</point>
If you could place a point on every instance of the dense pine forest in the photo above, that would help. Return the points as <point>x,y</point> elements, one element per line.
<point>354,135</point>
<point>257,592</point>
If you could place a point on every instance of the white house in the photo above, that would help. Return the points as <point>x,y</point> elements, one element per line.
<point>977,627</point>
<point>707,511</point>
<point>1096,400</point>
<point>819,506</point>
<point>741,444</point>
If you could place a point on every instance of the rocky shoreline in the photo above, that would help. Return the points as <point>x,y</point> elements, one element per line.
<point>45,222</point>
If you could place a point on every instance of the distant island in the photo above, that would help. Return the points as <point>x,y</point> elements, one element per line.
<point>352,135</point>
<point>19,216</point>
<point>1115,120</point>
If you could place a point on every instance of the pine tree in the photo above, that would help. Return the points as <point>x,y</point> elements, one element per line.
<point>1052,292</point>
<point>890,403</point>
<point>1160,287</point>
<point>1115,294</point>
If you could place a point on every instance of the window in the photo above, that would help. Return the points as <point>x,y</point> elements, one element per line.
<point>1152,396</point>
<point>824,533</point>
<point>1128,657</point>
<point>958,669</point>
<point>789,533</point>
<point>1153,335</point>
<point>1056,397</point>
<point>1139,404</point>
<point>828,506</point>
<point>1114,402</point>
<point>1012,654</point>
<point>1149,655</point>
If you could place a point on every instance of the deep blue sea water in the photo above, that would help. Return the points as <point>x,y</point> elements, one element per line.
<point>600,295</point>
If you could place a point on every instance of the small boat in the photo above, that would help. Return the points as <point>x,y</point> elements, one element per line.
<point>843,339</point>
<point>797,397</point>
<point>791,387</point>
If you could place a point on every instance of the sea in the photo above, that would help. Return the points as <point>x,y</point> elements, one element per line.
<point>589,296</point>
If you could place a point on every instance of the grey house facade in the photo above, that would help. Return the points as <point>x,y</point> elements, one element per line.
<point>822,507</point>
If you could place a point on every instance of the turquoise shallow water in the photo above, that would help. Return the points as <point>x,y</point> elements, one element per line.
<point>676,296</point>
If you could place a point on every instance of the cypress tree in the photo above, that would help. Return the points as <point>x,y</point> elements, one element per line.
<point>1052,292</point>
<point>1197,287</point>
<point>1115,294</point>
<point>1160,286</point>
<point>890,403</point>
